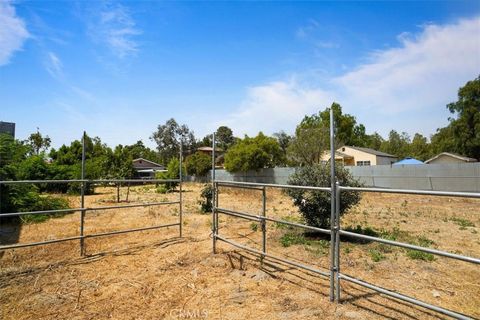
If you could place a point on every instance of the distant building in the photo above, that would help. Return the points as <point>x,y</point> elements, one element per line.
<point>8,128</point>
<point>357,156</point>
<point>220,157</point>
<point>408,161</point>
<point>146,169</point>
<point>449,157</point>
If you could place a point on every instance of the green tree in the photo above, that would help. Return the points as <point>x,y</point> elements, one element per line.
<point>420,148</point>
<point>198,164</point>
<point>462,135</point>
<point>397,144</point>
<point>224,137</point>
<point>172,173</point>
<point>38,142</point>
<point>284,141</point>
<point>169,136</point>
<point>253,154</point>
<point>308,146</point>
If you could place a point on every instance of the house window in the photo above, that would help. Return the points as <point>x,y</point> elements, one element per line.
<point>363,163</point>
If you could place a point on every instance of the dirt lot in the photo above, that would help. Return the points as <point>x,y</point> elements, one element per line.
<point>157,275</point>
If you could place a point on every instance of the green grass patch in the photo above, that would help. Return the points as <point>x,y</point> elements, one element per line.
<point>420,255</point>
<point>463,223</point>
<point>376,255</point>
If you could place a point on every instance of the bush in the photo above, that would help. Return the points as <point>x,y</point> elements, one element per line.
<point>206,204</point>
<point>315,205</point>
<point>198,164</point>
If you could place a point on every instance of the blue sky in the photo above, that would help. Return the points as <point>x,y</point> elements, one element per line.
<point>117,69</point>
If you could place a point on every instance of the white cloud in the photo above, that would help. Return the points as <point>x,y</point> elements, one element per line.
<point>425,71</point>
<point>423,74</point>
<point>276,106</point>
<point>116,28</point>
<point>13,32</point>
<point>54,65</point>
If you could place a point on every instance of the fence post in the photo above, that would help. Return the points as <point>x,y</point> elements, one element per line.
<point>118,192</point>
<point>82,199</point>
<point>332,208</point>
<point>214,204</point>
<point>337,240</point>
<point>180,187</point>
<point>264,223</point>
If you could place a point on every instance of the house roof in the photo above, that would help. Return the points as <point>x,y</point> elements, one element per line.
<point>209,149</point>
<point>408,160</point>
<point>343,155</point>
<point>453,155</point>
<point>372,151</point>
<point>148,161</point>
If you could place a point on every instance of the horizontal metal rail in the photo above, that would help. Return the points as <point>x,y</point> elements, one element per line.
<point>241,187</point>
<point>419,192</point>
<point>133,180</point>
<point>253,217</point>
<point>41,181</point>
<point>130,230</point>
<point>88,181</point>
<point>270,185</point>
<point>238,214</point>
<point>131,206</point>
<point>295,264</point>
<point>249,216</point>
<point>411,246</point>
<point>403,297</point>
<point>33,244</point>
<point>299,225</point>
<point>14,214</point>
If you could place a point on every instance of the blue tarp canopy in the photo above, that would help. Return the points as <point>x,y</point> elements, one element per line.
<point>408,160</point>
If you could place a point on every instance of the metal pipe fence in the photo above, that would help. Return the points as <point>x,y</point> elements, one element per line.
<point>83,209</point>
<point>336,233</point>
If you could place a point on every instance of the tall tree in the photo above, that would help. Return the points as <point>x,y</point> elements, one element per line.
<point>465,127</point>
<point>224,137</point>
<point>38,142</point>
<point>284,141</point>
<point>168,138</point>
<point>397,144</point>
<point>420,148</point>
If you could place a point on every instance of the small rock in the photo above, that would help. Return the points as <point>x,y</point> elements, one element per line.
<point>260,275</point>
<point>194,273</point>
<point>436,294</point>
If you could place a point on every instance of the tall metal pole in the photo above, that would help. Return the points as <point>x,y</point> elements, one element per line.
<point>332,209</point>
<point>214,220</point>
<point>82,199</point>
<point>337,240</point>
<point>264,222</point>
<point>180,187</point>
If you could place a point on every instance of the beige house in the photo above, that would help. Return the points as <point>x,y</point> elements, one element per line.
<point>357,156</point>
<point>448,157</point>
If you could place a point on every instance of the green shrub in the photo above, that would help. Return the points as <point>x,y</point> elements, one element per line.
<point>198,164</point>
<point>172,173</point>
<point>315,205</point>
<point>206,204</point>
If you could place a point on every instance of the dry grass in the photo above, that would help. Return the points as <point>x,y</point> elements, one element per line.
<point>156,275</point>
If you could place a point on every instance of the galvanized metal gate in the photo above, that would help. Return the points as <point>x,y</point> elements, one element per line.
<point>83,209</point>
<point>334,273</point>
